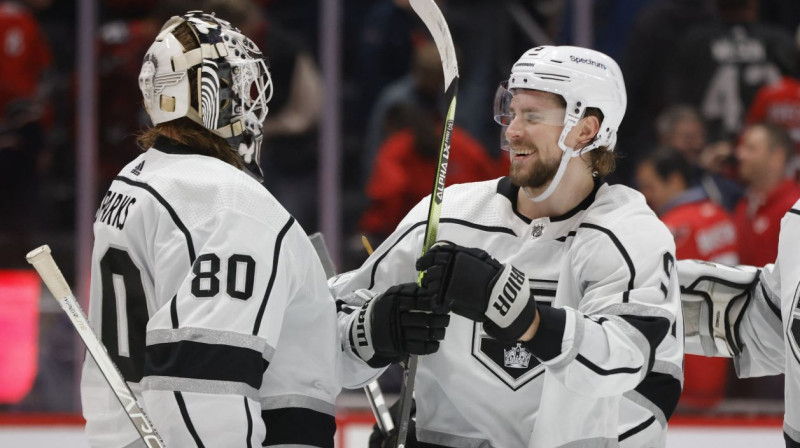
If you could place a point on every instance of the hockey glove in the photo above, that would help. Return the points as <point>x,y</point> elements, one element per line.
<point>395,324</point>
<point>473,284</point>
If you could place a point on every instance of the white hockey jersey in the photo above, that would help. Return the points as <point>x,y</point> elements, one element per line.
<point>211,301</point>
<point>607,370</point>
<point>770,329</point>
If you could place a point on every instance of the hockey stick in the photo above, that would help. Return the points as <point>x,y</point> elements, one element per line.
<point>41,259</point>
<point>434,21</point>
<point>373,391</point>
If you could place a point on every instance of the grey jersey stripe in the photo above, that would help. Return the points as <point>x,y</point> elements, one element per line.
<point>640,399</point>
<point>207,336</point>
<point>440,438</point>
<point>168,383</point>
<point>597,442</point>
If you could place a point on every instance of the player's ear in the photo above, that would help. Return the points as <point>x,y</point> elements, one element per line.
<point>588,128</point>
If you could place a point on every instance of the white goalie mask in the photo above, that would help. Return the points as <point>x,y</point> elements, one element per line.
<point>583,78</point>
<point>232,89</point>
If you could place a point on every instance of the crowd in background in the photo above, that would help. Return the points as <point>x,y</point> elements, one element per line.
<point>711,136</point>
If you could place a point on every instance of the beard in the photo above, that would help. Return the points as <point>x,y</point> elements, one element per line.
<point>523,175</point>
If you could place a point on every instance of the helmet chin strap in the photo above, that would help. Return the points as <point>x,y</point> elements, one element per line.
<point>566,155</point>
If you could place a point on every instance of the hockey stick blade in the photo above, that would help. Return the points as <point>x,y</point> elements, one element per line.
<point>43,262</point>
<point>432,17</point>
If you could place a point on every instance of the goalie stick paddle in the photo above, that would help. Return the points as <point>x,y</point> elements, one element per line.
<point>44,264</point>
<point>432,16</point>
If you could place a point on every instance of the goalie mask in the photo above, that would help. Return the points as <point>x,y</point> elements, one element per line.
<point>233,84</point>
<point>583,78</point>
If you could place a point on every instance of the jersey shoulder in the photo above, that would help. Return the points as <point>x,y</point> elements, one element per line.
<point>622,212</point>
<point>471,201</point>
<point>198,188</point>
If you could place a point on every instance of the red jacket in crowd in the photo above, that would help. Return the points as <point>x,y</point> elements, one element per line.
<point>703,231</point>
<point>401,176</point>
<point>758,224</point>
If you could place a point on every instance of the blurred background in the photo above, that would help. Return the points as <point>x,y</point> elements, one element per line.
<point>711,137</point>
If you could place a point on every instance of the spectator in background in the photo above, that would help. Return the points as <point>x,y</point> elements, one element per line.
<point>422,88</point>
<point>391,32</point>
<point>780,104</point>
<point>649,53</point>
<point>406,164</point>
<point>289,151</point>
<point>25,60</point>
<point>763,154</point>
<point>682,128</point>
<point>720,66</point>
<point>702,230</point>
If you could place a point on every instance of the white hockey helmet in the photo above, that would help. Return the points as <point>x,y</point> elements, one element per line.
<point>584,78</point>
<point>232,89</point>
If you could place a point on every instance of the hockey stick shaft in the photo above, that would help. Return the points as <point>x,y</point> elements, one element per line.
<point>429,12</point>
<point>43,262</point>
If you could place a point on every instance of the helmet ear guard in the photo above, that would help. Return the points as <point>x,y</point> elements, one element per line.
<point>231,79</point>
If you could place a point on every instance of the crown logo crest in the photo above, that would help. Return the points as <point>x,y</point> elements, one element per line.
<point>517,357</point>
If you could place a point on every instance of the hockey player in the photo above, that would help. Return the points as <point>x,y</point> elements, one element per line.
<point>752,315</point>
<point>566,306</point>
<point>207,294</point>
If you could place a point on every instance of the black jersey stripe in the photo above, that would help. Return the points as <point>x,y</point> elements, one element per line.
<point>636,429</point>
<point>564,238</point>
<point>275,260</point>
<point>622,250</point>
<point>201,361</point>
<point>603,372</point>
<point>653,328</point>
<point>790,443</point>
<point>461,222</point>
<point>249,423</point>
<point>794,211</point>
<point>170,210</point>
<point>661,389</point>
<point>298,426</point>
<point>187,420</point>
<point>537,292</point>
<point>173,311</point>
<point>775,310</point>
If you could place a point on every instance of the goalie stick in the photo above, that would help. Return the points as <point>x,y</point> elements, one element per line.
<point>432,16</point>
<point>43,262</point>
<point>373,391</point>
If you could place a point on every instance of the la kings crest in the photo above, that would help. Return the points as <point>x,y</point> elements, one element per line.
<point>511,363</point>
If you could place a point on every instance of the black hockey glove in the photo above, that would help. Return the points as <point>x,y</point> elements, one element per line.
<point>473,284</point>
<point>395,324</point>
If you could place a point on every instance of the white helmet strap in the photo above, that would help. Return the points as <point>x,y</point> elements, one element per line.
<point>567,154</point>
